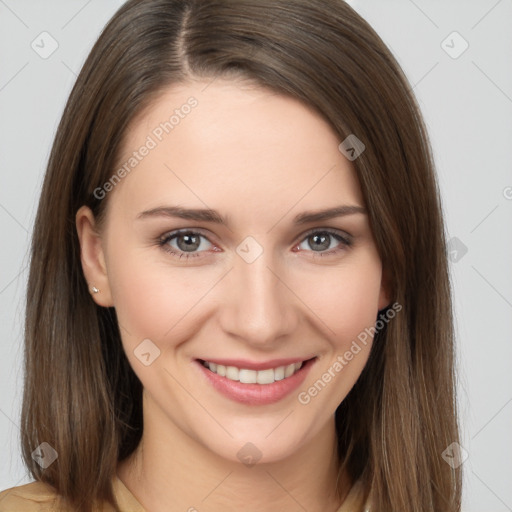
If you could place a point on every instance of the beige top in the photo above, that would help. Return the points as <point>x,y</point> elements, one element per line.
<point>39,497</point>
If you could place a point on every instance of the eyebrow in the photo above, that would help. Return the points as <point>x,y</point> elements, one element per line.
<point>208,215</point>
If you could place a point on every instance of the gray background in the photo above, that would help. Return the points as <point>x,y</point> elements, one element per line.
<point>467,102</point>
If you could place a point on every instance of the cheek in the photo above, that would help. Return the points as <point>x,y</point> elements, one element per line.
<point>357,305</point>
<point>345,298</point>
<point>347,305</point>
<point>153,299</point>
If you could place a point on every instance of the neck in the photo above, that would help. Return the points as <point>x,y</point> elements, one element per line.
<point>170,471</point>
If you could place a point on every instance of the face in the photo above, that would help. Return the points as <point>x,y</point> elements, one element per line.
<point>238,301</point>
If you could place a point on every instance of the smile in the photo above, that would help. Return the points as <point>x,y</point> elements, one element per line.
<point>246,376</point>
<point>254,383</point>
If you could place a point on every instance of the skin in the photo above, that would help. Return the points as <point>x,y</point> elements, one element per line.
<point>259,159</point>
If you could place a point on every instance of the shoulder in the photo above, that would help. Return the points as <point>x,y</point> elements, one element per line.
<point>355,501</point>
<point>42,497</point>
<point>36,496</point>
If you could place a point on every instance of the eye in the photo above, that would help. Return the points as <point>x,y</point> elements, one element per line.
<point>191,244</point>
<point>325,242</point>
<point>185,243</point>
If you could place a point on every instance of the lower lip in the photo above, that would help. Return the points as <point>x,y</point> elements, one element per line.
<point>256,394</point>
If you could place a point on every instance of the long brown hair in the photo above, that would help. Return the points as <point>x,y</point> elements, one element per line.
<point>81,395</point>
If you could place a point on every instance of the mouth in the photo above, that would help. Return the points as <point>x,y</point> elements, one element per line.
<point>255,383</point>
<point>250,376</point>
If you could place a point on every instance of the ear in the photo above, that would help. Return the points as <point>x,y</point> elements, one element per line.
<point>92,257</point>
<point>385,290</point>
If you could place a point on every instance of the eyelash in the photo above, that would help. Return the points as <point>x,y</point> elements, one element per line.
<point>165,239</point>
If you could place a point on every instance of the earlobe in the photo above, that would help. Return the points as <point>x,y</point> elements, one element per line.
<point>92,257</point>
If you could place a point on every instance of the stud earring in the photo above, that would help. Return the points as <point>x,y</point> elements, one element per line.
<point>95,290</point>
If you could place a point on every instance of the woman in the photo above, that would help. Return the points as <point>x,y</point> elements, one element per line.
<point>238,293</point>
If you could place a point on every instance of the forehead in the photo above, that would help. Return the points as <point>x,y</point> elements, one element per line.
<point>227,143</point>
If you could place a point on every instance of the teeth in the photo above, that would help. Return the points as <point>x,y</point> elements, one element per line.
<point>252,376</point>
<point>247,376</point>
<point>265,376</point>
<point>232,373</point>
<point>289,370</point>
<point>279,373</point>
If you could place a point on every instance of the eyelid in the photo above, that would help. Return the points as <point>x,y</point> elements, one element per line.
<point>183,231</point>
<point>342,236</point>
<point>164,239</point>
<point>347,237</point>
<point>200,231</point>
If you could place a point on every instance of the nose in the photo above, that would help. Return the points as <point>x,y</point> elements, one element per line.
<point>259,309</point>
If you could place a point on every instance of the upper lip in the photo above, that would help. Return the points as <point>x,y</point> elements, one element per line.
<point>257,365</point>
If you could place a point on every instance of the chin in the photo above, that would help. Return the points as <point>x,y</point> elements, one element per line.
<point>258,446</point>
